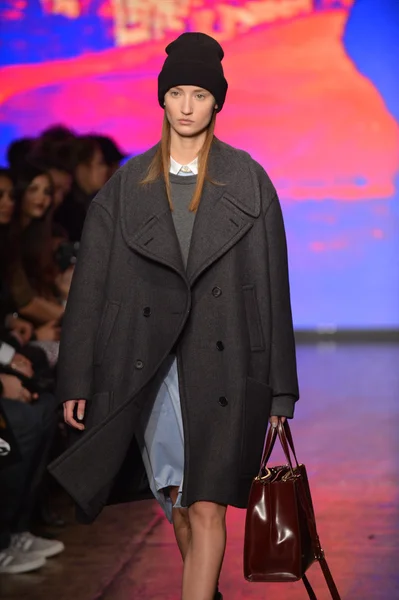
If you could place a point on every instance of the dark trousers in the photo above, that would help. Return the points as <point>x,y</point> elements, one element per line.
<point>33,426</point>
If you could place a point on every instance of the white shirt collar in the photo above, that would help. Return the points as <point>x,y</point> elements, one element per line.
<point>175,167</point>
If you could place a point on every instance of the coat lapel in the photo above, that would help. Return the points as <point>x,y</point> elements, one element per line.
<point>227,209</point>
<point>230,202</point>
<point>146,220</point>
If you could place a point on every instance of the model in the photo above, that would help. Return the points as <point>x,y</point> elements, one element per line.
<point>177,343</point>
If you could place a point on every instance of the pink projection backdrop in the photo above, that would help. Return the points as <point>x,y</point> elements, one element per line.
<point>297,102</point>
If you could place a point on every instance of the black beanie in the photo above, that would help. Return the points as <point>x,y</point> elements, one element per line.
<point>194,59</point>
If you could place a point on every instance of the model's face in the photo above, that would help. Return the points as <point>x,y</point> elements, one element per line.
<point>37,198</point>
<point>189,109</point>
<point>6,200</point>
<point>62,182</point>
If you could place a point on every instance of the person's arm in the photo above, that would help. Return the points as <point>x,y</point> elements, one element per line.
<point>9,357</point>
<point>83,309</point>
<point>283,374</point>
<point>12,389</point>
<point>40,311</point>
<point>20,329</point>
<point>29,304</point>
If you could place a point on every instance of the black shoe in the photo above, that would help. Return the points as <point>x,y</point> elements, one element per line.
<point>218,596</point>
<point>47,517</point>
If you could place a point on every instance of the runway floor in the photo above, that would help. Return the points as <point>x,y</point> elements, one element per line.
<point>346,432</point>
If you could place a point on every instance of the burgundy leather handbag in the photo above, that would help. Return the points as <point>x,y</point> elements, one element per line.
<point>281,540</point>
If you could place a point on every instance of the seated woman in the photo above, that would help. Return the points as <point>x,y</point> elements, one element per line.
<point>16,333</point>
<point>53,150</point>
<point>32,273</point>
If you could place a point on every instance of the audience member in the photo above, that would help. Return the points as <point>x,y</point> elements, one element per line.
<point>53,150</point>
<point>44,198</point>
<point>32,271</point>
<point>33,419</point>
<point>112,154</point>
<point>18,152</point>
<point>89,175</point>
<point>57,165</point>
<point>55,134</point>
<point>14,331</point>
<point>6,213</point>
<point>6,197</point>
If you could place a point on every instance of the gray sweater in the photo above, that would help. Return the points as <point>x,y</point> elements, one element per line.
<point>182,188</point>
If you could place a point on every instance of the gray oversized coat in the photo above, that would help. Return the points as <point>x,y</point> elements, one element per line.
<point>228,317</point>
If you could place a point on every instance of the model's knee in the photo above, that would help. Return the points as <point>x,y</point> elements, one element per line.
<point>207,515</point>
<point>180,518</point>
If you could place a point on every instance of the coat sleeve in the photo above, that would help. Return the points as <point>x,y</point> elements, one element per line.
<point>283,370</point>
<point>83,310</point>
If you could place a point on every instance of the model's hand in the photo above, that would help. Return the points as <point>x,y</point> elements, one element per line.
<point>69,406</point>
<point>274,420</point>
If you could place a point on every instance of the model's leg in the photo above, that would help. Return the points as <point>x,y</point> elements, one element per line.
<point>181,524</point>
<point>206,550</point>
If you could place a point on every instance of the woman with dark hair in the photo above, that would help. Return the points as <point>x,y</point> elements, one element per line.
<point>56,158</point>
<point>6,213</point>
<point>178,344</point>
<point>32,270</point>
<point>6,197</point>
<point>22,330</point>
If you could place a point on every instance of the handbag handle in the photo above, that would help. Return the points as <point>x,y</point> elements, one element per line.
<point>284,433</point>
<point>287,431</point>
<point>270,440</point>
<point>287,442</point>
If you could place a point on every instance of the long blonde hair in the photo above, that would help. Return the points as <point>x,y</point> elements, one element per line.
<point>160,164</point>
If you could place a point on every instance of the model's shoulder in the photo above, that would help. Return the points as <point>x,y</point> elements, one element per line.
<point>232,152</point>
<point>242,155</point>
<point>247,178</point>
<point>245,157</point>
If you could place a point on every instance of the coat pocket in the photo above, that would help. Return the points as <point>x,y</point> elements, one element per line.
<point>106,326</point>
<point>257,406</point>
<point>98,408</point>
<point>253,318</point>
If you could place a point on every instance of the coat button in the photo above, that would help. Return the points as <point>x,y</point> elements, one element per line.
<point>220,346</point>
<point>139,364</point>
<point>216,292</point>
<point>146,311</point>
<point>223,401</point>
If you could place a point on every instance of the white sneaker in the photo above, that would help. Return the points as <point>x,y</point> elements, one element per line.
<point>12,561</point>
<point>27,542</point>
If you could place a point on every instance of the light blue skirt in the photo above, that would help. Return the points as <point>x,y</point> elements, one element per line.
<point>161,440</point>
